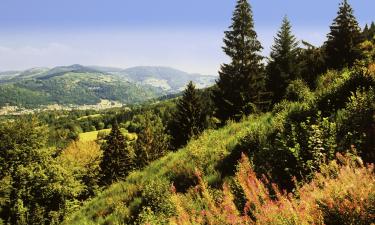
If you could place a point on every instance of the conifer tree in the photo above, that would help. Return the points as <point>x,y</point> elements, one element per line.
<point>282,67</point>
<point>118,156</point>
<point>371,32</point>
<point>343,39</point>
<point>189,118</point>
<point>365,32</point>
<point>242,80</point>
<point>152,142</point>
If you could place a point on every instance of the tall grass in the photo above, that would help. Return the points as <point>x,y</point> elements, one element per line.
<point>342,193</point>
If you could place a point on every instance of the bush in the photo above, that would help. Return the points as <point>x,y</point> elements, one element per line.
<point>297,90</point>
<point>334,95</point>
<point>356,124</point>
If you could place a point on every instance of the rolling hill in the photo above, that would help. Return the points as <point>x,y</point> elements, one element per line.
<point>74,84</point>
<point>80,85</point>
<point>165,78</point>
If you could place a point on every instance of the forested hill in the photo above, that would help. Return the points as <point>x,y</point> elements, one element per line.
<point>166,78</point>
<point>80,85</point>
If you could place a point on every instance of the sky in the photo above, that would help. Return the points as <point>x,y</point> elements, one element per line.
<point>184,34</point>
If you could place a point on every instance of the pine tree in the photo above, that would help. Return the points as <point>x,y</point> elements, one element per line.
<point>189,118</point>
<point>371,32</point>
<point>118,156</point>
<point>152,142</point>
<point>343,39</point>
<point>242,80</point>
<point>365,32</point>
<point>282,67</point>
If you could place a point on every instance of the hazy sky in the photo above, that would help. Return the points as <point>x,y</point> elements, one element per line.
<point>185,34</point>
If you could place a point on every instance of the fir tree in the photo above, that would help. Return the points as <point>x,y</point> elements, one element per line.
<point>282,67</point>
<point>365,32</point>
<point>152,142</point>
<point>343,39</point>
<point>371,32</point>
<point>189,118</point>
<point>242,80</point>
<point>118,156</point>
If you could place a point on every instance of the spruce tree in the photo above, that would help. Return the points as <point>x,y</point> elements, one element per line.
<point>189,118</point>
<point>365,32</point>
<point>282,67</point>
<point>242,80</point>
<point>152,142</point>
<point>343,39</point>
<point>118,157</point>
<point>371,32</point>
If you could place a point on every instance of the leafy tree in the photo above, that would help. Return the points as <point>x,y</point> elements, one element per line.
<point>38,190</point>
<point>189,118</point>
<point>282,67</point>
<point>152,142</point>
<point>83,159</point>
<point>242,80</point>
<point>343,39</point>
<point>118,156</point>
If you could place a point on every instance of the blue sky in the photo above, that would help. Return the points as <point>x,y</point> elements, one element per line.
<point>186,34</point>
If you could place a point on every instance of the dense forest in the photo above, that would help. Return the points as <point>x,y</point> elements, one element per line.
<point>287,139</point>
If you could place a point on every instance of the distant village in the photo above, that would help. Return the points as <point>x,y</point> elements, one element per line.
<point>18,110</point>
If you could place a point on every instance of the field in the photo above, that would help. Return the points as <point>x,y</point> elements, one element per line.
<point>92,135</point>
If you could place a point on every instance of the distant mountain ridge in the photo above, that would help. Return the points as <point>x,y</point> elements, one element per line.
<point>79,85</point>
<point>166,78</point>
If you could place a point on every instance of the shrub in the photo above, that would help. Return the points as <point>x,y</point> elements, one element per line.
<point>356,124</point>
<point>343,193</point>
<point>297,90</point>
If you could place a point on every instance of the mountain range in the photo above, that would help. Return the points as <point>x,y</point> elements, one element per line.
<point>79,85</point>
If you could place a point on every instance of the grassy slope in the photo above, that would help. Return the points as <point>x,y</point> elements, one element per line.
<point>92,135</point>
<point>115,204</point>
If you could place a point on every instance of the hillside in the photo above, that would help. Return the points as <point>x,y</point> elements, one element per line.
<point>166,78</point>
<point>124,200</point>
<point>282,144</point>
<point>74,84</point>
<point>79,85</point>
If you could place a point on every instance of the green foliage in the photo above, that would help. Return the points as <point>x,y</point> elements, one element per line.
<point>297,90</point>
<point>242,80</point>
<point>341,48</point>
<point>72,88</point>
<point>368,33</point>
<point>121,202</point>
<point>38,189</point>
<point>282,67</point>
<point>189,119</point>
<point>118,157</point>
<point>357,124</point>
<point>312,64</point>
<point>152,141</point>
<point>83,160</point>
<point>335,88</point>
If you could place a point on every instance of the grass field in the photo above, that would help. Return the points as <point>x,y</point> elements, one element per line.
<point>91,136</point>
<point>91,116</point>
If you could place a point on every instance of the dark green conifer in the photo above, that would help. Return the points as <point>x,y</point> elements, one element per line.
<point>242,80</point>
<point>118,156</point>
<point>152,142</point>
<point>282,67</point>
<point>343,39</point>
<point>189,118</point>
